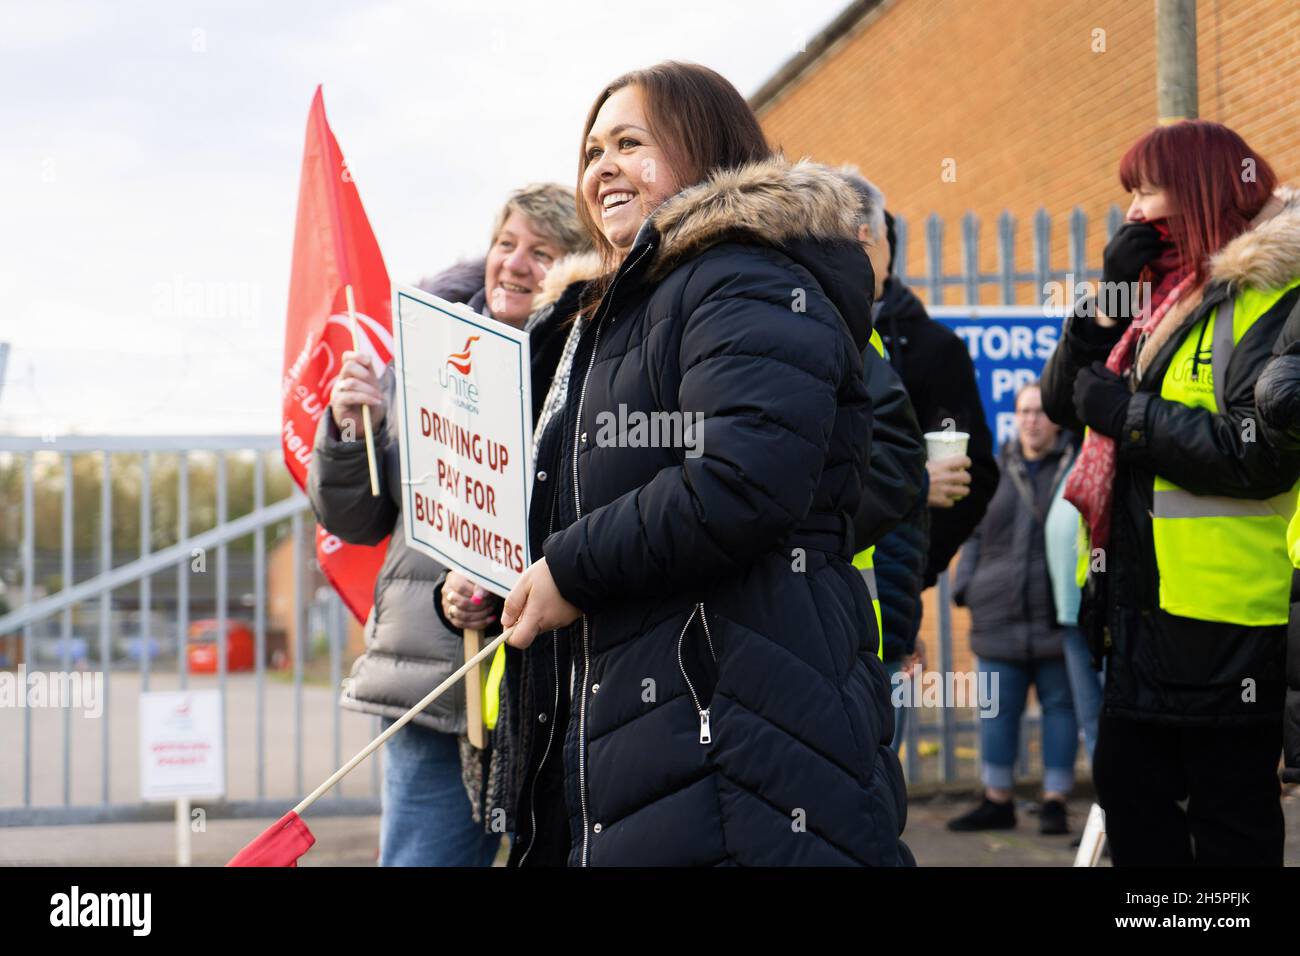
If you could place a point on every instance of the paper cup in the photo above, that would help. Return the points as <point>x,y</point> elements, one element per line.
<point>940,445</point>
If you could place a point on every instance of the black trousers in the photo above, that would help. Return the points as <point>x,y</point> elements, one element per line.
<point>1227,776</point>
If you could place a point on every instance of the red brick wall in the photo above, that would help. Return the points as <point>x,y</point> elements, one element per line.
<point>1013,92</point>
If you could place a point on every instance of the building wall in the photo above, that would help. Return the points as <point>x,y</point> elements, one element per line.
<point>1013,92</point>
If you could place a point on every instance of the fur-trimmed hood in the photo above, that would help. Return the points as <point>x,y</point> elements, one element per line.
<point>771,202</point>
<point>1266,256</point>
<point>575,267</point>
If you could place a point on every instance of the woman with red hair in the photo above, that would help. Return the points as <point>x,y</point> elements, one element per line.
<point>1185,500</point>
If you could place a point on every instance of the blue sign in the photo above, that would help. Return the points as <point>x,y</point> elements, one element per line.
<point>1009,345</point>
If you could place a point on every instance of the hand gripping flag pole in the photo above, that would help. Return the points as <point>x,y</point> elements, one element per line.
<point>365,409</point>
<point>282,843</point>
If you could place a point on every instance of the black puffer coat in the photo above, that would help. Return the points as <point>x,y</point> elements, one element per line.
<point>939,375</point>
<point>1277,395</point>
<point>728,706</point>
<point>894,515</point>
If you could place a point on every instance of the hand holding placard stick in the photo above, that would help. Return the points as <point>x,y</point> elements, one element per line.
<point>365,409</point>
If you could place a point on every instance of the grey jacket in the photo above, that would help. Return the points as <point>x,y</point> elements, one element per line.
<point>1003,576</point>
<point>409,648</point>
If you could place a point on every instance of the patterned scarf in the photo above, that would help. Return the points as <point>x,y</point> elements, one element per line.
<point>1091,485</point>
<point>559,389</point>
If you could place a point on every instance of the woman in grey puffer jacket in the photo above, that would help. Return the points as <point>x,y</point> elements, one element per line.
<point>1004,580</point>
<point>430,768</point>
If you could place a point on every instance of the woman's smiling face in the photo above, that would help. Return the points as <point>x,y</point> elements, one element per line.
<point>516,264</point>
<point>628,173</point>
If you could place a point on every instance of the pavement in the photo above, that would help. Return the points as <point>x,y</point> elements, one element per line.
<point>933,844</point>
<point>353,841</point>
<point>329,736</point>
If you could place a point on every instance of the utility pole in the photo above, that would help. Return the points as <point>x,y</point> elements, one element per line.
<point>1175,61</point>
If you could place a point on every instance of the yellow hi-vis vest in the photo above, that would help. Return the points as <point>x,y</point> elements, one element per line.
<point>865,560</point>
<point>492,688</point>
<point>1219,558</point>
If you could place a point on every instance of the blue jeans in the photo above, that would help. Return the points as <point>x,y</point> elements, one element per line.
<point>1085,685</point>
<point>426,813</point>
<point>1000,734</point>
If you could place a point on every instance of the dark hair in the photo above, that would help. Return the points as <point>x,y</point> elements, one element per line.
<point>1203,166</point>
<point>891,232</point>
<point>700,119</point>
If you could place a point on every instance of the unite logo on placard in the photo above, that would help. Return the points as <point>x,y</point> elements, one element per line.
<point>454,376</point>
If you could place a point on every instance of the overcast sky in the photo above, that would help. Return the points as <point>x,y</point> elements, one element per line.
<point>149,150</point>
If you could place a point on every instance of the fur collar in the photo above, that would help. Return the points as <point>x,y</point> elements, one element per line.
<point>575,267</point>
<point>771,201</point>
<point>1265,256</point>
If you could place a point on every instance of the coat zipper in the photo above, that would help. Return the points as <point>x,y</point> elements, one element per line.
<point>706,732</point>
<point>550,737</point>
<point>550,734</point>
<point>577,505</point>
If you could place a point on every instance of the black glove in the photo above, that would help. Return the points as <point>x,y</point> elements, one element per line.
<point>1133,246</point>
<point>1101,399</point>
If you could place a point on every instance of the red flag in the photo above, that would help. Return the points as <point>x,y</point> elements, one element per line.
<point>280,844</point>
<point>333,247</point>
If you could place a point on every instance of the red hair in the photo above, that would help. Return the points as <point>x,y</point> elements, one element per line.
<point>1218,184</point>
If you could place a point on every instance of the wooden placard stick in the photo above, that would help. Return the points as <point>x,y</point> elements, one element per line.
<point>474,681</point>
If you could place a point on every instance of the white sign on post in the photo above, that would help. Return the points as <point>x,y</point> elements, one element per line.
<point>464,405</point>
<point>181,751</point>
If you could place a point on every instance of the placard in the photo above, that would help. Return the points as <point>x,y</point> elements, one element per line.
<point>464,401</point>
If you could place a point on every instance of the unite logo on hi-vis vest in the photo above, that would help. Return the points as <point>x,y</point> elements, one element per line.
<point>454,375</point>
<point>1195,372</point>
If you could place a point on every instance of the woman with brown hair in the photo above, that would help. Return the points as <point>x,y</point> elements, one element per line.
<point>698,682</point>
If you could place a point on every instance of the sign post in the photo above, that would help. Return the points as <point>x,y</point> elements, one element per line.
<point>181,753</point>
<point>464,406</point>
